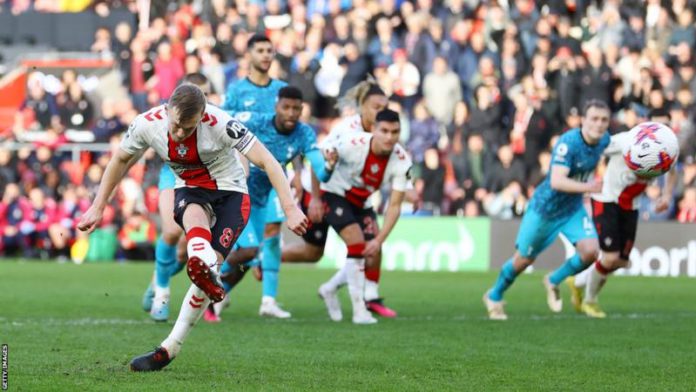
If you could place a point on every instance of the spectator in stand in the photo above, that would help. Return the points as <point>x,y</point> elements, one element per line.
<point>121,48</point>
<point>418,44</point>
<point>505,170</point>
<point>634,34</point>
<point>108,124</point>
<point>442,91</point>
<point>648,203</point>
<point>102,43</point>
<point>141,69</point>
<point>405,80</point>
<point>530,131</point>
<point>75,110</point>
<point>383,45</point>
<point>8,167</point>
<point>564,79</point>
<point>687,206</point>
<point>39,214</point>
<point>39,110</point>
<point>302,76</point>
<point>430,184</point>
<point>506,204</point>
<point>486,118</point>
<point>12,210</point>
<point>168,72</point>
<point>356,67</point>
<point>425,133</point>
<point>467,62</point>
<point>595,79</point>
<point>684,31</point>
<point>137,237</point>
<point>470,163</point>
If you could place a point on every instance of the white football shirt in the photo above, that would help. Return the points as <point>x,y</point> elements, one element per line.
<point>206,159</point>
<point>621,185</point>
<point>359,173</point>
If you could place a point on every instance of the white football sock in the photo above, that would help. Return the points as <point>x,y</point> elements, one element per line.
<point>371,290</point>
<point>355,275</point>
<point>338,279</point>
<point>595,282</point>
<point>195,302</point>
<point>581,278</point>
<point>161,293</point>
<point>201,248</point>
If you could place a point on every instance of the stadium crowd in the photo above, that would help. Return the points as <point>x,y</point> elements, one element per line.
<point>484,89</point>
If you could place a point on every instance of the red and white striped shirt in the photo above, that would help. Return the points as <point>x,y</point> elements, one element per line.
<point>206,159</point>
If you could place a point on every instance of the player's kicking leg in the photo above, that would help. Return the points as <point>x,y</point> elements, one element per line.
<point>194,213</point>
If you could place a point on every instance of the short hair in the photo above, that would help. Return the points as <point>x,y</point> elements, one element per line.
<point>594,103</point>
<point>290,92</point>
<point>256,38</point>
<point>388,115</point>
<point>188,100</point>
<point>195,78</point>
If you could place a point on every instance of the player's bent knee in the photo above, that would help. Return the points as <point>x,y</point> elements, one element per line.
<point>271,230</point>
<point>589,255</point>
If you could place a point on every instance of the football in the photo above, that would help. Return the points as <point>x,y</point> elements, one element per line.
<point>653,149</point>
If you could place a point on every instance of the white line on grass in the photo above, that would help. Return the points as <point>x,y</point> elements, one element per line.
<point>55,322</point>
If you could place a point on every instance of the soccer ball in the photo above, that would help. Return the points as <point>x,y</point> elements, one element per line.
<point>652,150</point>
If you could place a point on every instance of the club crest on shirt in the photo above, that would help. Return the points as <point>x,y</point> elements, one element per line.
<point>374,168</point>
<point>182,150</point>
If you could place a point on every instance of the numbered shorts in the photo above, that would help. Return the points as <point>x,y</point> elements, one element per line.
<point>167,180</point>
<point>229,212</point>
<point>340,213</point>
<point>316,233</point>
<point>615,226</point>
<point>538,233</point>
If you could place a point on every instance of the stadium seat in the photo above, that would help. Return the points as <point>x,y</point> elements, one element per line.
<point>33,28</point>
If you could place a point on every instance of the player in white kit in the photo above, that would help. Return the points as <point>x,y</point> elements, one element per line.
<point>365,161</point>
<point>211,204</point>
<point>615,217</point>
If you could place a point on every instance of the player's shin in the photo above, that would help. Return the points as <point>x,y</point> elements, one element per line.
<point>505,279</point>
<point>372,274</point>
<point>597,276</point>
<point>165,260</point>
<point>270,264</point>
<point>572,266</point>
<point>355,275</point>
<point>195,302</point>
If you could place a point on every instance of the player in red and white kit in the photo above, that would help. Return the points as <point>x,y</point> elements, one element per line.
<point>364,162</point>
<point>211,204</point>
<point>369,99</point>
<point>615,217</point>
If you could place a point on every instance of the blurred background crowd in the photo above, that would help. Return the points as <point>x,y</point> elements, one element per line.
<point>484,88</point>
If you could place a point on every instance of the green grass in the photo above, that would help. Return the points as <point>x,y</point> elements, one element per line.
<point>76,328</point>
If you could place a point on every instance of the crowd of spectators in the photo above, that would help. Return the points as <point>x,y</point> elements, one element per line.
<point>484,88</point>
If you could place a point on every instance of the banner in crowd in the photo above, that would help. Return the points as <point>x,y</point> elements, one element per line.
<point>426,244</point>
<point>662,249</point>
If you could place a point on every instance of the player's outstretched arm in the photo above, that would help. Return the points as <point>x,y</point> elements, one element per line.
<point>562,183</point>
<point>259,156</point>
<point>115,170</point>
<point>391,215</point>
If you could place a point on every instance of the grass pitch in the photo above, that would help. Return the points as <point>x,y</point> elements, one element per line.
<point>74,327</point>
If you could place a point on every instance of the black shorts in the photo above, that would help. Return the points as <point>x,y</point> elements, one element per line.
<point>228,211</point>
<point>616,227</point>
<point>316,233</point>
<point>340,213</point>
